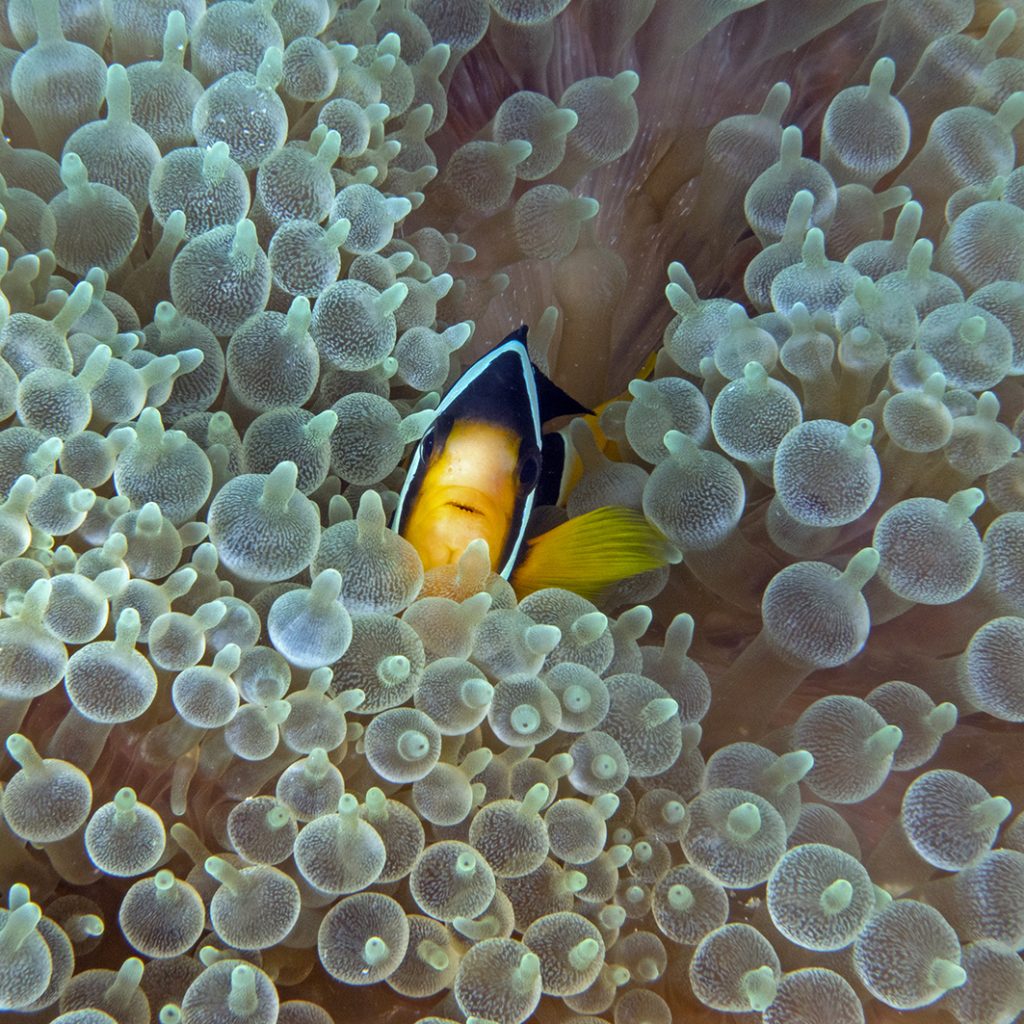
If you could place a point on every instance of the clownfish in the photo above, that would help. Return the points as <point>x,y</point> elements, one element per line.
<point>485,465</point>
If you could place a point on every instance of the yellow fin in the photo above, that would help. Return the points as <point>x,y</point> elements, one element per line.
<point>645,371</point>
<point>593,421</point>
<point>591,552</point>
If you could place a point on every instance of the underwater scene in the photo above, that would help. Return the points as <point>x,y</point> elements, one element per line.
<point>511,511</point>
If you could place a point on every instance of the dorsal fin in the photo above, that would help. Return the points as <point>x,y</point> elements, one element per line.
<point>552,401</point>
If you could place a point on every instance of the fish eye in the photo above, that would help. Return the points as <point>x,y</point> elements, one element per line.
<point>529,472</point>
<point>427,444</point>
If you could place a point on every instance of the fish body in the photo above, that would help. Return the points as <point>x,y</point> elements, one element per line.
<point>485,465</point>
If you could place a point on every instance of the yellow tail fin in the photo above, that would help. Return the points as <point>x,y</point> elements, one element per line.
<point>591,552</point>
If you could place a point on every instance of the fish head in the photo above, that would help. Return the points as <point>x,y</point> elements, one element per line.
<point>475,472</point>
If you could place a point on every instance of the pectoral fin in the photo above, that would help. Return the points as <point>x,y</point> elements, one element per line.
<point>592,552</point>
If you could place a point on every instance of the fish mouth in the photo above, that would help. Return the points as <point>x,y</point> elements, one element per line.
<point>463,507</point>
